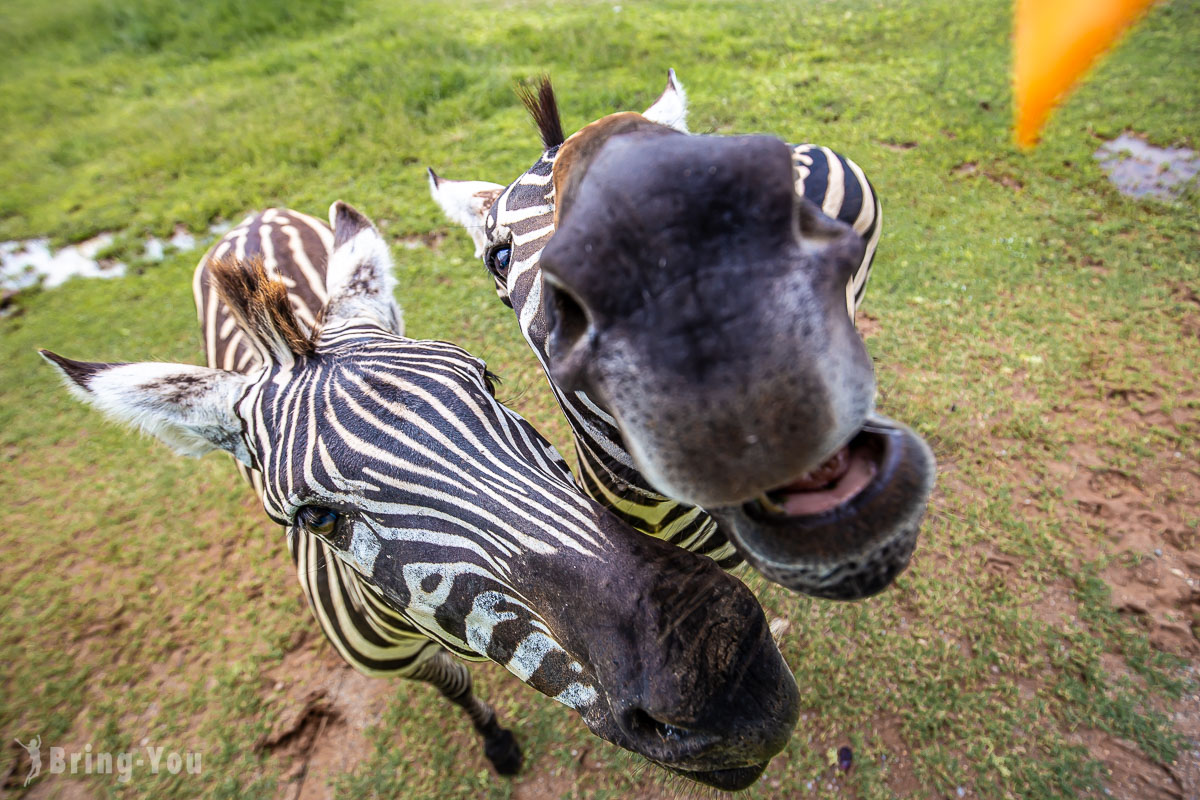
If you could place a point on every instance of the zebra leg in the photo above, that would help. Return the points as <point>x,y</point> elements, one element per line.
<point>376,640</point>
<point>453,680</point>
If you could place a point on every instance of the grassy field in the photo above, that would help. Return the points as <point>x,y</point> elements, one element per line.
<point>1039,328</point>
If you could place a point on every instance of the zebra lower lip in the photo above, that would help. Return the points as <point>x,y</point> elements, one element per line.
<point>830,486</point>
<point>728,780</point>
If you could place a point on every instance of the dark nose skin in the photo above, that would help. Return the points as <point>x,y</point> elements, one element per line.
<point>653,211</point>
<point>749,715</point>
<point>691,291</point>
<point>690,228</point>
<point>686,657</point>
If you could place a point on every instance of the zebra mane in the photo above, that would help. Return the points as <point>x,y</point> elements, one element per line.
<point>260,305</point>
<point>543,107</point>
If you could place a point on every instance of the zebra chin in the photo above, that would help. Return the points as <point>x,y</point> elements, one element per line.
<point>727,780</point>
<point>847,529</point>
<point>729,759</point>
<point>728,751</point>
<point>729,776</point>
<point>687,672</point>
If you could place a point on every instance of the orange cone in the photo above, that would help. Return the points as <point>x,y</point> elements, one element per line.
<point>1056,42</point>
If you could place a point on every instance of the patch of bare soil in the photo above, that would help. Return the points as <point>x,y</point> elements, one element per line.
<point>867,325</point>
<point>62,788</point>
<point>325,710</point>
<point>1189,319</point>
<point>546,786</point>
<point>972,169</point>
<point>1146,519</point>
<point>1131,775</point>
<point>13,778</point>
<point>425,241</point>
<point>898,766</point>
<point>885,749</point>
<point>1143,517</point>
<point>597,764</point>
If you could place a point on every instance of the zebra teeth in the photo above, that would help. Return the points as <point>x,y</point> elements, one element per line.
<point>822,477</point>
<point>770,506</point>
<point>829,486</point>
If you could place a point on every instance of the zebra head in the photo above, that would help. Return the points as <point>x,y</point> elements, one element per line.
<point>697,293</point>
<point>397,456</point>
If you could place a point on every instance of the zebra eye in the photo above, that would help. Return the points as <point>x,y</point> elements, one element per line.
<point>498,257</point>
<point>317,520</point>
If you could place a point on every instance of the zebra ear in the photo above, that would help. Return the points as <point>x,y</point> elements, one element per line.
<point>670,108</point>
<point>359,280</point>
<point>189,408</point>
<point>466,203</point>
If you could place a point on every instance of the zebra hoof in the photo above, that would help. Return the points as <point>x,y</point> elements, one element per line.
<point>504,752</point>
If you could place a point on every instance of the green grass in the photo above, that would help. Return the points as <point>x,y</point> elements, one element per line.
<point>145,596</point>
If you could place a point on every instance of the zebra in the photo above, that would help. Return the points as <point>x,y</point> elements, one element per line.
<point>426,520</point>
<point>691,299</point>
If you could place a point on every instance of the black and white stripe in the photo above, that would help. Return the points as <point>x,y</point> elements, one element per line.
<point>841,189</point>
<point>372,637</point>
<point>349,401</point>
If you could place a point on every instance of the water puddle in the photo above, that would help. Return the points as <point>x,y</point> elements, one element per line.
<point>1139,169</point>
<point>181,240</point>
<point>30,262</point>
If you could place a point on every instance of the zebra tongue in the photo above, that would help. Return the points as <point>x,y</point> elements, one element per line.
<point>828,486</point>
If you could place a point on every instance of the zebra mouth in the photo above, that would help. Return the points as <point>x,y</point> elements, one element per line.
<point>839,480</point>
<point>846,529</point>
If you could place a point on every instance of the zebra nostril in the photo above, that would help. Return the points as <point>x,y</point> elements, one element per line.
<point>639,723</point>
<point>568,320</point>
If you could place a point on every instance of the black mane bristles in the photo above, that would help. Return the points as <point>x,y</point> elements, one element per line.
<point>261,307</point>
<point>544,109</point>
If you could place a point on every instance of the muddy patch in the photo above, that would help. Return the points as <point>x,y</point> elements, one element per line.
<point>1145,518</point>
<point>324,710</point>
<point>1139,169</point>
